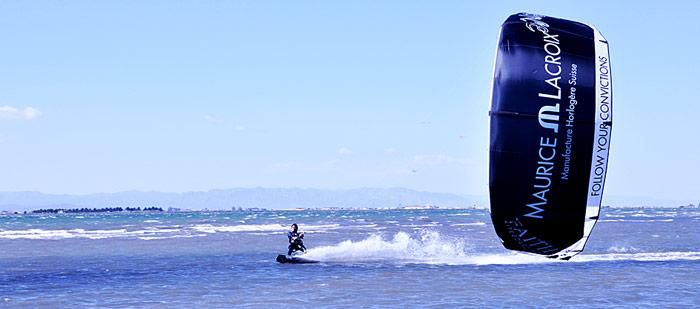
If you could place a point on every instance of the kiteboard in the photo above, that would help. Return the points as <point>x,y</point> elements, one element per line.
<point>283,259</point>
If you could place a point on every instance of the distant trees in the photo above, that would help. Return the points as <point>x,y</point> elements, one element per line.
<point>85,209</point>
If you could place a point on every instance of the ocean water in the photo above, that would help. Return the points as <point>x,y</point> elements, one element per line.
<point>391,258</point>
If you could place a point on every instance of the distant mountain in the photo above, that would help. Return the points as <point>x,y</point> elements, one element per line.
<point>245,197</point>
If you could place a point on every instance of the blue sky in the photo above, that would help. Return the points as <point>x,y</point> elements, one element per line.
<point>99,96</point>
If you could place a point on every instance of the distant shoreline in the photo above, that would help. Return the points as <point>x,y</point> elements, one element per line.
<point>96,210</point>
<point>117,210</point>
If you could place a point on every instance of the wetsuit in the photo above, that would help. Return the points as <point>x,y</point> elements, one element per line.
<point>295,242</point>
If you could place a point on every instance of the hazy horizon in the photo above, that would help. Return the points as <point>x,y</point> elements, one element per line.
<point>282,198</point>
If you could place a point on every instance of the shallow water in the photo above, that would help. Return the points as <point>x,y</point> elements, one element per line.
<point>635,257</point>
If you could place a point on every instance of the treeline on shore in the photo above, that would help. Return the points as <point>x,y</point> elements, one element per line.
<point>106,209</point>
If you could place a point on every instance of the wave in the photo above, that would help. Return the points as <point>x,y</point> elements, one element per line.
<point>433,248</point>
<point>81,233</point>
<point>635,220</point>
<point>654,215</point>
<point>478,223</point>
<point>162,232</point>
<point>622,249</point>
<point>208,228</point>
<point>169,237</point>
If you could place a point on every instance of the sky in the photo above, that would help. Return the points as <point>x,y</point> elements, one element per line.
<point>108,96</point>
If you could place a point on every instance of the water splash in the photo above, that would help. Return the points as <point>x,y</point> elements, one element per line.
<point>427,247</point>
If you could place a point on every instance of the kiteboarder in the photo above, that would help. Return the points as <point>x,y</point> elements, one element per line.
<point>296,242</point>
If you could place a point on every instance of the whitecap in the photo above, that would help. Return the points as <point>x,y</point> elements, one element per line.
<point>82,233</point>
<point>208,228</point>
<point>169,237</point>
<point>635,221</point>
<point>621,249</point>
<point>478,223</point>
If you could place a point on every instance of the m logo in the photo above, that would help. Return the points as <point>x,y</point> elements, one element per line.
<point>549,117</point>
<point>534,22</point>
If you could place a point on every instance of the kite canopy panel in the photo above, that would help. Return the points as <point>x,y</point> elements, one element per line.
<point>551,119</point>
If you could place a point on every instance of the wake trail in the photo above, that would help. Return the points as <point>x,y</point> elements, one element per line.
<point>433,248</point>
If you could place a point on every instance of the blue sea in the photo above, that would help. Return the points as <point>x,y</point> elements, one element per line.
<point>369,258</point>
